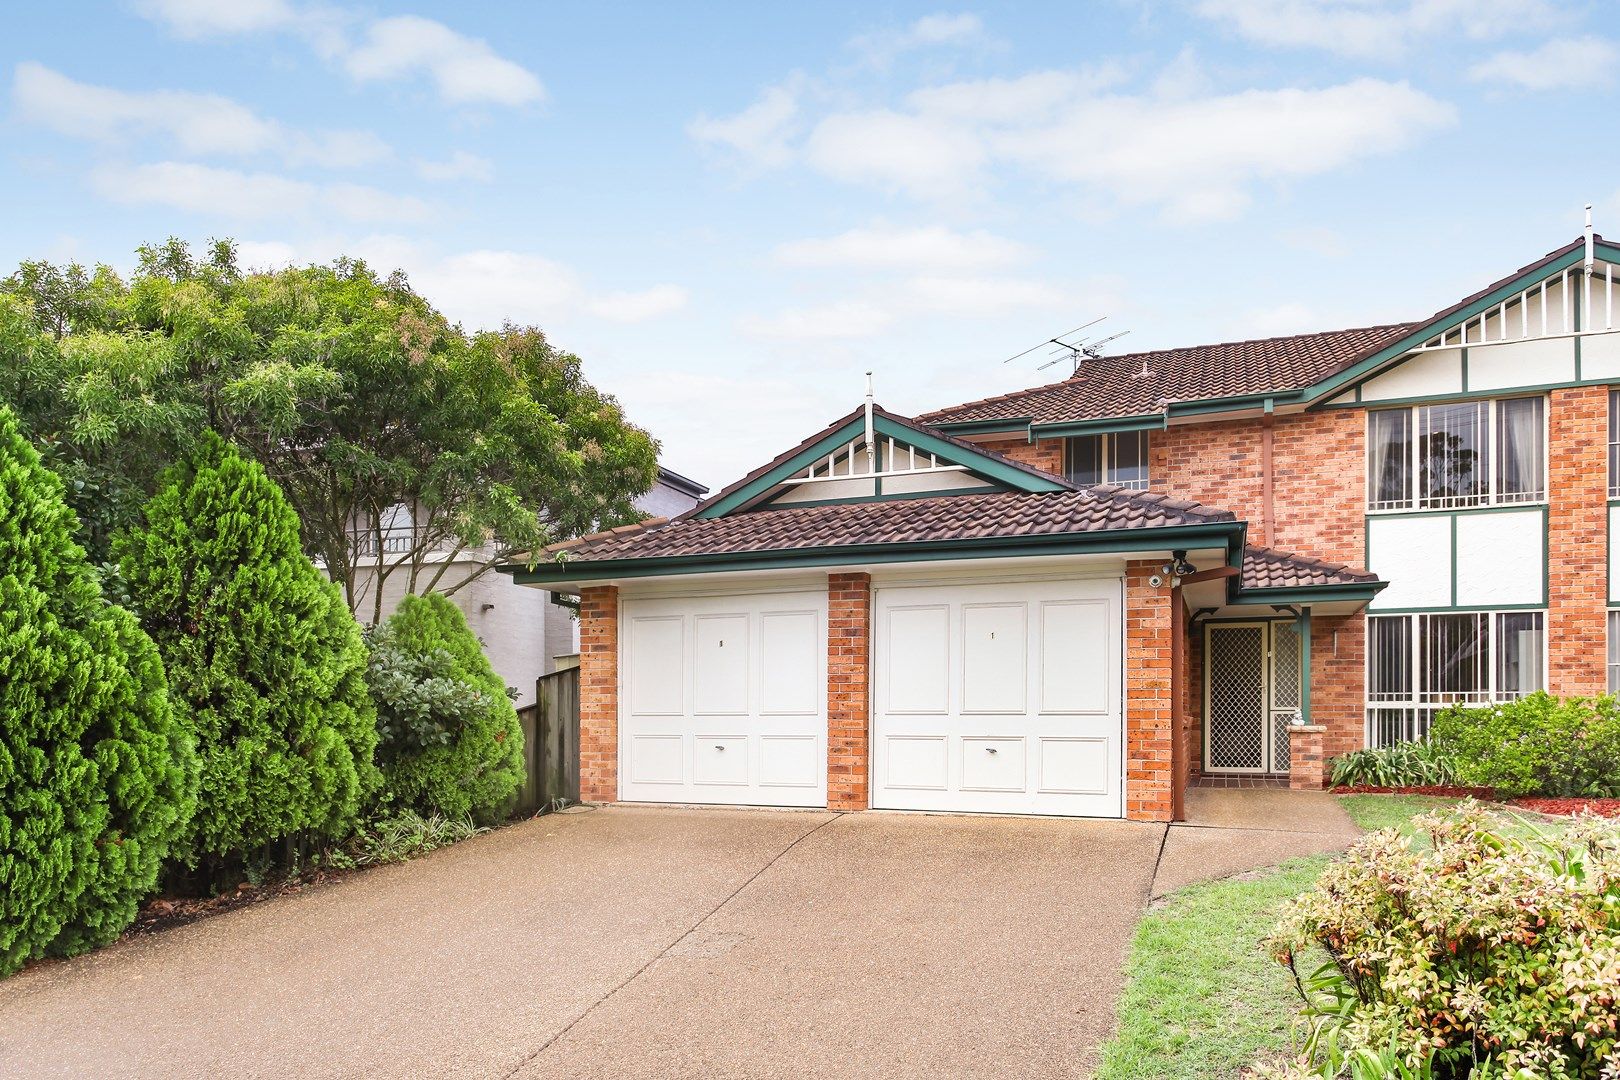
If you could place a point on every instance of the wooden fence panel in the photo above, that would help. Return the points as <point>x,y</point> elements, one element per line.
<point>551,743</point>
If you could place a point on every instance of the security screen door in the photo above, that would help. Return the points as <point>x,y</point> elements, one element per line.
<point>1251,695</point>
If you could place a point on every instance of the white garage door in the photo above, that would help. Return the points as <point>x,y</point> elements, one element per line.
<point>998,698</point>
<point>723,699</point>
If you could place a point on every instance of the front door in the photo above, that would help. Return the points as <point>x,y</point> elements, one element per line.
<point>1251,695</point>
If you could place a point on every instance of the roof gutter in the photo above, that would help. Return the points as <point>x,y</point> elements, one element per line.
<point>1309,594</point>
<point>1229,534</point>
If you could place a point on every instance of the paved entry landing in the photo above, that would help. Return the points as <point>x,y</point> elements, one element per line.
<point>1231,830</point>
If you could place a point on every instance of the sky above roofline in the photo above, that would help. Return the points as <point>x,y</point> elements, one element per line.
<point>732,213</point>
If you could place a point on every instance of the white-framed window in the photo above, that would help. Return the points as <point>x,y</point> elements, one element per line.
<point>1458,454</point>
<point>1418,664</point>
<point>1614,446</point>
<point>1118,457</point>
<point>1614,651</point>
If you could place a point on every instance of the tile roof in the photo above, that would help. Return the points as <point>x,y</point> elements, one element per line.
<point>1268,568</point>
<point>991,515</point>
<point>1116,386</point>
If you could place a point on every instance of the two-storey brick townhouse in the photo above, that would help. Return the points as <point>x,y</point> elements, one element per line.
<point>1078,598</point>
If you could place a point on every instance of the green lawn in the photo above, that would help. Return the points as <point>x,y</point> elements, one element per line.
<point>1202,999</point>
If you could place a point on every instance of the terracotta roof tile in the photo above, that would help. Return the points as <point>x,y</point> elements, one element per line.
<point>976,516</point>
<point>1267,568</point>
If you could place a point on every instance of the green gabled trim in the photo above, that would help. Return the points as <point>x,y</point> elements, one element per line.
<point>985,467</point>
<point>1363,369</point>
<point>893,496</point>
<point>1504,508</point>
<point>1311,594</point>
<point>1225,533</point>
<point>1104,426</point>
<point>1016,426</point>
<point>1232,404</point>
<point>1305,665</point>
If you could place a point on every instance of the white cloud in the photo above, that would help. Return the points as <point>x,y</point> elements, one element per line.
<point>760,133</point>
<point>843,319</point>
<point>197,124</point>
<point>485,288</point>
<point>983,296</point>
<point>887,247</point>
<point>942,29</point>
<point>265,254</point>
<point>1280,320</point>
<point>1318,240</point>
<point>1373,29</point>
<point>238,196</point>
<point>632,307</point>
<point>920,155</point>
<point>458,166</point>
<point>1561,64</point>
<point>465,70</point>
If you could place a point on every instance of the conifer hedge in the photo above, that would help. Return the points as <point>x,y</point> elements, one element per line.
<point>450,739</point>
<point>263,657</point>
<point>97,774</point>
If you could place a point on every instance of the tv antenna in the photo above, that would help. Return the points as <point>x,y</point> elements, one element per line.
<point>1068,347</point>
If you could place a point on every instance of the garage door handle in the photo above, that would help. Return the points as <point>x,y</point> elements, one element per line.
<point>717,746</point>
<point>989,749</point>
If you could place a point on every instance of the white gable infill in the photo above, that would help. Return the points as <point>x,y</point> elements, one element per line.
<point>906,461</point>
<point>1557,325</point>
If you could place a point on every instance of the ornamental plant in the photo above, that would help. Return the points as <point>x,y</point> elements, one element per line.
<point>264,660</point>
<point>97,777</point>
<point>1538,745</point>
<point>1486,955</point>
<point>1406,764</point>
<point>449,740</point>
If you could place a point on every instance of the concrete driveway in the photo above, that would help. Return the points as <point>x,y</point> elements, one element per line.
<point>634,942</point>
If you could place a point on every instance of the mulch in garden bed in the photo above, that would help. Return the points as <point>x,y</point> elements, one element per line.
<point>1600,807</point>
<point>166,912</point>
<point>1437,790</point>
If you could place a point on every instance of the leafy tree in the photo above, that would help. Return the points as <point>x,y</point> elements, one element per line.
<point>365,404</point>
<point>263,658</point>
<point>449,740</point>
<point>97,776</point>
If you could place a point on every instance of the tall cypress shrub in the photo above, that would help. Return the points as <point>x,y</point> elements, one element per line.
<point>263,657</point>
<point>97,777</point>
<point>450,739</point>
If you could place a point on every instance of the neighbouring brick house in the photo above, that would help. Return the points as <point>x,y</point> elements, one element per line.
<point>1075,599</point>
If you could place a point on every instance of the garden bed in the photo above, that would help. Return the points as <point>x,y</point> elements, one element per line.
<point>1443,791</point>
<point>1567,807</point>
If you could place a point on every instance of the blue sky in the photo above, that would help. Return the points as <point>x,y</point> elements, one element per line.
<point>732,211</point>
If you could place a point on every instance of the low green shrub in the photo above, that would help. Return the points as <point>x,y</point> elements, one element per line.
<point>405,835</point>
<point>1539,745</point>
<point>1417,764</point>
<point>1486,955</point>
<point>449,742</point>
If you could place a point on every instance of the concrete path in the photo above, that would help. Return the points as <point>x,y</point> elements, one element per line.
<point>643,943</point>
<point>1229,831</point>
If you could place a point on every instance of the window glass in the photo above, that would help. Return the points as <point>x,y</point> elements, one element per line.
<point>1389,459</point>
<point>1456,656</point>
<point>1130,459</point>
<point>1389,649</point>
<point>1614,652</point>
<point>1453,459</point>
<point>1518,653</point>
<point>1520,450</point>
<point>1085,460</point>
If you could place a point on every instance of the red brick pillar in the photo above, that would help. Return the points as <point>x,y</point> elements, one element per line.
<point>1149,686</point>
<point>1307,766</point>
<point>599,694</point>
<point>1578,539</point>
<point>849,651</point>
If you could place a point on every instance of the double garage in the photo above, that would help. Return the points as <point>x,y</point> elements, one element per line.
<point>986,695</point>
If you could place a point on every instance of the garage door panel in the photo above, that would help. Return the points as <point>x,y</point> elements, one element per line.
<point>725,699</point>
<point>789,642</point>
<point>917,762</point>
<point>656,683</point>
<point>994,658</point>
<point>1031,720</point>
<point>1075,765</point>
<point>1077,656</point>
<point>918,679</point>
<point>993,765</point>
<point>720,665</point>
<point>789,761</point>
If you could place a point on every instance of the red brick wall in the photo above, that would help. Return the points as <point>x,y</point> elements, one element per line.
<point>1046,455</point>
<point>599,694</point>
<point>1577,557</point>
<point>1338,659</point>
<point>849,639</point>
<point>1149,686</point>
